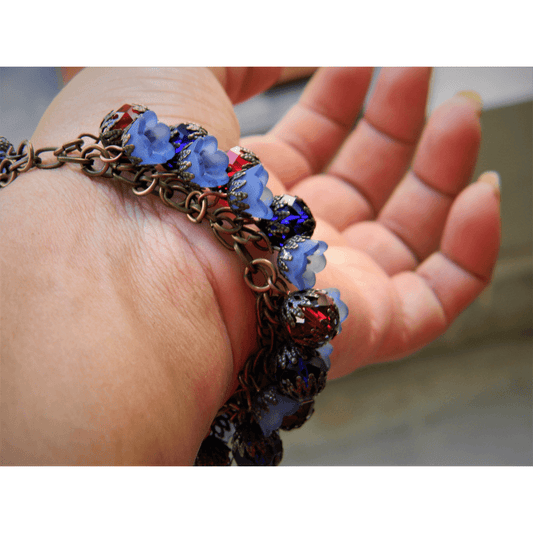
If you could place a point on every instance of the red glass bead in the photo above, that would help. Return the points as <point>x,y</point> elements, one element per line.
<point>311,317</point>
<point>115,122</point>
<point>236,160</point>
<point>125,115</point>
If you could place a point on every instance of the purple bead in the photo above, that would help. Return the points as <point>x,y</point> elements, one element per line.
<point>179,138</point>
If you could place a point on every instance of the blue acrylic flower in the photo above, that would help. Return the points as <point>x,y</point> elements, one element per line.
<point>324,352</point>
<point>150,139</point>
<point>300,259</point>
<point>208,163</point>
<point>341,306</point>
<point>250,195</point>
<point>326,349</point>
<point>271,419</point>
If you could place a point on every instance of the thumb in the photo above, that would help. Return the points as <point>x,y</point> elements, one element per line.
<point>240,83</point>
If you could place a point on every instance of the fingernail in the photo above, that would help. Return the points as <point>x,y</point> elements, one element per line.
<point>474,98</point>
<point>492,178</point>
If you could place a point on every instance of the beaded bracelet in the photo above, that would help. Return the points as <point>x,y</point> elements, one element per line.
<point>183,166</point>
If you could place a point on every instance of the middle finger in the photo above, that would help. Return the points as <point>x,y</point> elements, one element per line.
<point>376,154</point>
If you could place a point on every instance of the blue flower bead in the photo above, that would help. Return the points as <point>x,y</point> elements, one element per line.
<point>341,306</point>
<point>276,407</point>
<point>248,193</point>
<point>150,139</point>
<point>301,259</point>
<point>208,163</point>
<point>324,352</point>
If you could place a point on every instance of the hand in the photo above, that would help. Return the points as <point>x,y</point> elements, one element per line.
<point>410,244</point>
<point>128,324</point>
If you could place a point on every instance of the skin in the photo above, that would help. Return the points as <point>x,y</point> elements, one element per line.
<point>124,326</point>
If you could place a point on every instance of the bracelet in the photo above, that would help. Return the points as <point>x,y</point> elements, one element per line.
<point>183,166</point>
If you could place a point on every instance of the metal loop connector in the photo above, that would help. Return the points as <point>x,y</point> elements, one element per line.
<point>148,190</point>
<point>267,269</point>
<point>25,156</point>
<point>87,167</point>
<point>192,208</point>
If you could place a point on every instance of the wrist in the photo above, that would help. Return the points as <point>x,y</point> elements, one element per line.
<point>178,95</point>
<point>127,354</point>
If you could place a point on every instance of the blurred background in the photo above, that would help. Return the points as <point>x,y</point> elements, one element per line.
<point>464,400</point>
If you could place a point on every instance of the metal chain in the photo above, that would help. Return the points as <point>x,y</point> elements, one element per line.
<point>174,188</point>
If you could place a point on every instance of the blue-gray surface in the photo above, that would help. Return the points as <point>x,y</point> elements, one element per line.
<point>464,400</point>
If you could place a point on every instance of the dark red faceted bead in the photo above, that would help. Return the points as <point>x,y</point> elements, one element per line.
<point>311,317</point>
<point>116,122</point>
<point>240,158</point>
<point>125,115</point>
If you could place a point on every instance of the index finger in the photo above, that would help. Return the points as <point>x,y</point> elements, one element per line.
<point>309,135</point>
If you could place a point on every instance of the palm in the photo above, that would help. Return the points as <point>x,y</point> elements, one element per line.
<point>407,252</point>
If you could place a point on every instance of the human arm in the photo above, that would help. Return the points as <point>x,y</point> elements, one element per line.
<point>122,374</point>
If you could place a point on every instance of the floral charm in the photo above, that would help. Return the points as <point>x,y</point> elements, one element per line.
<point>271,407</point>
<point>324,352</point>
<point>147,141</point>
<point>335,294</point>
<point>207,163</point>
<point>248,193</point>
<point>300,259</point>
